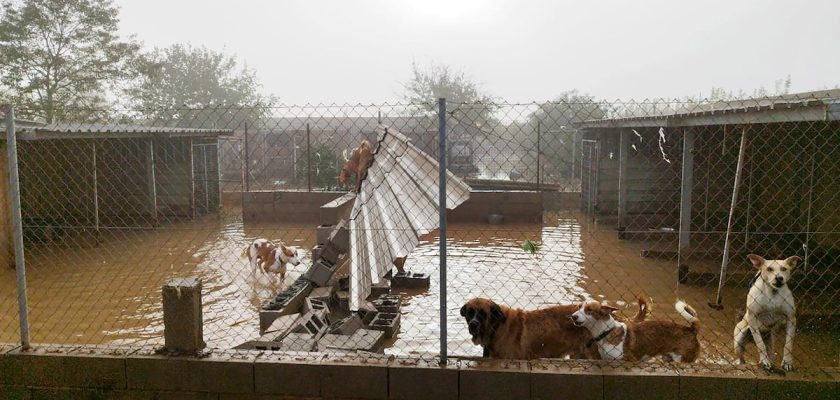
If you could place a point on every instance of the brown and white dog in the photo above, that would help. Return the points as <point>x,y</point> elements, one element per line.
<point>770,305</point>
<point>639,340</point>
<point>358,163</point>
<point>264,255</point>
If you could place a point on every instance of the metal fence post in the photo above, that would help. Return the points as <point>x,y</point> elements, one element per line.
<point>539,154</point>
<point>308,159</point>
<point>17,227</point>
<point>442,213</point>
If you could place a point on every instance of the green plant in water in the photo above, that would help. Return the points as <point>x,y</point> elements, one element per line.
<point>529,246</point>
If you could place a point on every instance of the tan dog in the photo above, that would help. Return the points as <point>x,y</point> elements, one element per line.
<point>264,255</point>
<point>517,334</point>
<point>640,340</point>
<point>357,164</point>
<point>770,305</point>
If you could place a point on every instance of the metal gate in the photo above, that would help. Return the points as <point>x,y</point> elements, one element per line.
<point>589,167</point>
<point>206,178</point>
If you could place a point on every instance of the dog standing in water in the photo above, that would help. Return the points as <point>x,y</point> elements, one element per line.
<point>264,255</point>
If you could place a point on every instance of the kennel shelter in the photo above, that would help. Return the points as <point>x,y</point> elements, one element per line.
<point>84,177</point>
<point>671,178</point>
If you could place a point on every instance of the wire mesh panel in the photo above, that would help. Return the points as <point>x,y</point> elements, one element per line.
<point>285,212</point>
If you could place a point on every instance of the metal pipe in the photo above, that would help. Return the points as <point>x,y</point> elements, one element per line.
<point>95,192</point>
<point>308,159</point>
<point>442,214</point>
<point>808,215</point>
<point>192,179</point>
<point>17,226</point>
<point>247,164</point>
<point>206,179</point>
<point>152,182</point>
<point>736,186</point>
<point>539,155</point>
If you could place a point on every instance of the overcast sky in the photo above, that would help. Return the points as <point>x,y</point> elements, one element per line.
<point>361,51</point>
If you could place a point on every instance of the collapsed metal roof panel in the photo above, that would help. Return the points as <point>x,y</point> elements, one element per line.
<point>36,131</point>
<point>396,205</point>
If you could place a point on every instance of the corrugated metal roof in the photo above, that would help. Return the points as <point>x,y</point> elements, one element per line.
<point>808,106</point>
<point>33,131</point>
<point>397,203</point>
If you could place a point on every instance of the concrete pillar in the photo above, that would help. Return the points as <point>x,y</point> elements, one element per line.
<point>182,319</point>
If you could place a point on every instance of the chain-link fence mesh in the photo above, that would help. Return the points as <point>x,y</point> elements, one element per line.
<point>569,201</point>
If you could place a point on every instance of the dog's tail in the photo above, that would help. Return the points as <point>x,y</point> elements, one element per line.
<point>644,308</point>
<point>690,315</point>
<point>344,154</point>
<point>246,252</point>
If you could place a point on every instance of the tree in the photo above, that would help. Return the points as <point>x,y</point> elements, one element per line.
<point>325,166</point>
<point>559,138</point>
<point>465,98</point>
<point>58,57</point>
<point>196,87</point>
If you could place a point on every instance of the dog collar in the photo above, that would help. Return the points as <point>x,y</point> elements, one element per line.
<point>599,337</point>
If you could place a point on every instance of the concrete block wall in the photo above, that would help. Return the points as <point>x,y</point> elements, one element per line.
<point>101,373</point>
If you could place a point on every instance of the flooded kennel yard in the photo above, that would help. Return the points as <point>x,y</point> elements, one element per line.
<point>110,293</point>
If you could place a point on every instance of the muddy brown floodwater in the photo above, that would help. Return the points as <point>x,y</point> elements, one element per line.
<point>110,293</point>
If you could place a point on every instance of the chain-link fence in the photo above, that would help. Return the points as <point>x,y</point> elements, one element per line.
<point>565,202</point>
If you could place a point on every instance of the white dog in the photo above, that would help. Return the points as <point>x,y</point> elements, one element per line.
<point>266,256</point>
<point>770,305</point>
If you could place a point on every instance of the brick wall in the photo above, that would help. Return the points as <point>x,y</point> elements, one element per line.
<point>98,373</point>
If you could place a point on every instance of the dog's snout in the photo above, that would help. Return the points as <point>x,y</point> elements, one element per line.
<point>473,327</point>
<point>779,281</point>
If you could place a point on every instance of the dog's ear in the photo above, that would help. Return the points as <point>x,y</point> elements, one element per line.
<point>757,261</point>
<point>792,261</point>
<point>496,314</point>
<point>609,308</point>
<point>464,310</point>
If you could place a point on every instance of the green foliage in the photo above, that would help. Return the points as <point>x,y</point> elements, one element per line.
<point>59,56</point>
<point>530,246</point>
<point>196,87</point>
<point>559,139</point>
<point>439,81</point>
<point>325,167</point>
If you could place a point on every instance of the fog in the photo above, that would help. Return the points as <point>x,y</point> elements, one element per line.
<point>361,51</point>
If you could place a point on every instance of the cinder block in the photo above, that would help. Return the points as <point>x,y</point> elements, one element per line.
<point>343,297</point>
<point>361,340</point>
<point>14,393</point>
<point>321,272</point>
<point>407,375</point>
<point>299,341</point>
<point>288,302</point>
<point>340,236</point>
<point>553,379</point>
<point>389,323</point>
<point>288,374</point>
<point>336,210</point>
<point>800,384</point>
<point>699,381</point>
<point>364,377</point>
<point>388,303</point>
<point>650,382</point>
<point>322,233</point>
<point>378,289</point>
<point>62,368</point>
<point>221,372</point>
<point>410,280</point>
<point>314,323</point>
<point>494,379</point>
<point>182,320</point>
<point>313,305</point>
<point>324,294</point>
<point>347,325</point>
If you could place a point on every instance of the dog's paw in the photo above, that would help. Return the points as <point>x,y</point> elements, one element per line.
<point>787,367</point>
<point>766,364</point>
